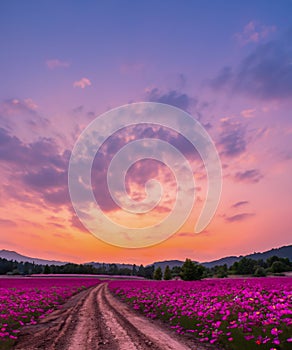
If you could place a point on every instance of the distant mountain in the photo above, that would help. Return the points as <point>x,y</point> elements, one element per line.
<point>283,252</point>
<point>11,255</point>
<point>170,263</point>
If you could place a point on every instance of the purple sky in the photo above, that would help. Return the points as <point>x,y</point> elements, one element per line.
<point>63,63</point>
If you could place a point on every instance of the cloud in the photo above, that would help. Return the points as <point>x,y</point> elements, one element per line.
<point>240,204</point>
<point>223,78</point>
<point>248,113</point>
<point>137,176</point>
<point>239,217</point>
<point>78,110</point>
<point>58,197</point>
<point>46,177</point>
<point>75,222</point>
<point>7,223</point>
<point>22,117</point>
<point>266,73</point>
<point>10,146</point>
<point>172,97</point>
<point>248,176</point>
<point>39,167</point>
<point>232,141</point>
<point>15,105</point>
<point>254,32</point>
<point>186,234</point>
<point>82,83</point>
<point>56,63</point>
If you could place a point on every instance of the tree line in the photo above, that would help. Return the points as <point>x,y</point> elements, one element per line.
<point>188,271</point>
<point>245,266</point>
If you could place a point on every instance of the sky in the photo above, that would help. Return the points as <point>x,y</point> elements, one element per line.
<point>226,64</point>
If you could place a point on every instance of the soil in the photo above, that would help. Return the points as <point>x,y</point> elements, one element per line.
<point>95,320</point>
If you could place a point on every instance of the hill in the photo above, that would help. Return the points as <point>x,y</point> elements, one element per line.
<point>11,255</point>
<point>283,252</point>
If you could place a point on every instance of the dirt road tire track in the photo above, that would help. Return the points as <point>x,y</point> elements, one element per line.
<point>79,325</point>
<point>95,320</point>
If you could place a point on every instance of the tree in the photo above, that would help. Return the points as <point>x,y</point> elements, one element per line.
<point>141,271</point>
<point>167,273</point>
<point>113,269</point>
<point>221,271</point>
<point>191,271</point>
<point>278,266</point>
<point>176,271</point>
<point>149,272</point>
<point>260,272</point>
<point>272,259</point>
<point>125,271</point>
<point>245,266</point>
<point>158,273</point>
<point>47,269</point>
<point>134,270</point>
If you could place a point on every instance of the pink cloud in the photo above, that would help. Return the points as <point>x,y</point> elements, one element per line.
<point>239,217</point>
<point>16,105</point>
<point>248,113</point>
<point>82,83</point>
<point>55,63</point>
<point>254,32</point>
<point>248,176</point>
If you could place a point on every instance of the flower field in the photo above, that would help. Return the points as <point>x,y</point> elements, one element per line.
<point>24,300</point>
<point>231,314</point>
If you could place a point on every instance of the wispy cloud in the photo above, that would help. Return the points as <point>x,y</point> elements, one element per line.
<point>82,83</point>
<point>16,105</point>
<point>266,73</point>
<point>22,116</point>
<point>248,176</point>
<point>41,167</point>
<point>56,63</point>
<point>240,204</point>
<point>232,138</point>
<point>239,217</point>
<point>7,223</point>
<point>248,113</point>
<point>254,32</point>
<point>172,97</point>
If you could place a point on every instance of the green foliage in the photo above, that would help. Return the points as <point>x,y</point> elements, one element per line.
<point>191,271</point>
<point>278,266</point>
<point>113,269</point>
<point>260,268</point>
<point>167,274</point>
<point>141,271</point>
<point>158,273</point>
<point>47,269</point>
<point>245,266</point>
<point>221,271</point>
<point>260,272</point>
<point>149,271</point>
<point>176,271</point>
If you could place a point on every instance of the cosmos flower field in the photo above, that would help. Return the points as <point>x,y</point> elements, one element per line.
<point>231,314</point>
<point>24,300</point>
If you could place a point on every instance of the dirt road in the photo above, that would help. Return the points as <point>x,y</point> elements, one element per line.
<point>95,320</point>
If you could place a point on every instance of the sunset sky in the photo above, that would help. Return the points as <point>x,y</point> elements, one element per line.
<point>64,63</point>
